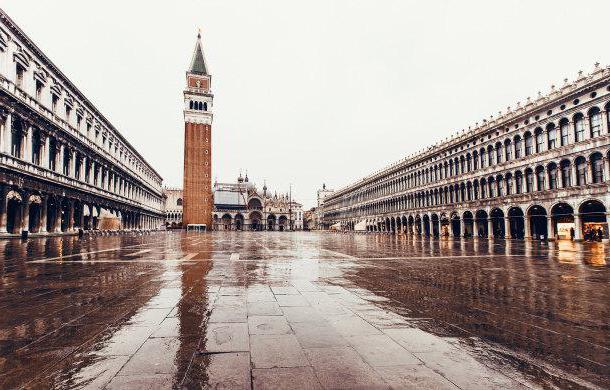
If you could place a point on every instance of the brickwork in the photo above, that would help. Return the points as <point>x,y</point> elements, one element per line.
<point>197,173</point>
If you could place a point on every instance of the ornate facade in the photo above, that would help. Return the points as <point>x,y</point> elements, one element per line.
<point>241,206</point>
<point>198,100</point>
<point>63,165</point>
<point>539,170</point>
<point>173,207</point>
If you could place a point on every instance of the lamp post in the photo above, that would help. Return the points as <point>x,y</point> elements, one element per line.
<point>290,207</point>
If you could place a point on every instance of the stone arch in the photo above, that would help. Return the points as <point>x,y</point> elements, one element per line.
<point>562,221</point>
<point>496,216</point>
<point>481,223</point>
<point>14,204</point>
<point>468,223</point>
<point>516,222</point>
<point>537,216</point>
<point>592,213</point>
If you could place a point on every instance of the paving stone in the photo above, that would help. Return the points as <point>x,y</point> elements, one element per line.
<point>343,368</point>
<point>285,290</point>
<point>219,371</point>
<point>417,340</point>
<point>228,314</point>
<point>161,356</point>
<point>381,350</point>
<point>225,337</point>
<point>414,377</point>
<point>143,382</point>
<point>269,351</point>
<point>301,314</point>
<point>291,300</point>
<point>268,325</point>
<point>285,378</point>
<point>318,335</point>
<point>264,309</point>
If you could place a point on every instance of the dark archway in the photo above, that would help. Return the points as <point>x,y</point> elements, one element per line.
<point>435,225</point>
<point>13,212</point>
<point>538,225</point>
<point>455,225</point>
<point>516,222</point>
<point>468,224</point>
<point>593,219</point>
<point>562,216</point>
<point>481,223</point>
<point>497,223</point>
<point>426,221</point>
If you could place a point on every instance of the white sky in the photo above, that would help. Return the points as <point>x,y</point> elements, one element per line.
<point>312,91</point>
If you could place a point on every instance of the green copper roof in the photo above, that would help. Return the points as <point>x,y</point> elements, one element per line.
<point>198,64</point>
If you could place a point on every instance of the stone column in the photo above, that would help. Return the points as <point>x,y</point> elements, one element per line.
<point>490,228</point>
<point>589,168</point>
<point>25,213</point>
<point>3,207</point>
<point>8,133</point>
<point>43,214</point>
<point>604,115</point>
<point>60,160</point>
<point>57,225</point>
<point>550,231</point>
<point>577,227</point>
<point>72,172</point>
<point>44,150</point>
<point>527,222</point>
<point>462,228</point>
<point>71,216</point>
<point>26,145</point>
<point>507,234</point>
<point>573,173</point>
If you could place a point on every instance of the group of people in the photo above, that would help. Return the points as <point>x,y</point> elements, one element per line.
<point>591,233</point>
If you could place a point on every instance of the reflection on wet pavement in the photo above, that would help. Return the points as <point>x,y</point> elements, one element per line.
<point>302,310</point>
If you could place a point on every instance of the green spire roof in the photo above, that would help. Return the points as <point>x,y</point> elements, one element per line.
<point>198,65</point>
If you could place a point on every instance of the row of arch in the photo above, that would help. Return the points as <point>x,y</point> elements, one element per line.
<point>561,220</point>
<point>200,106</point>
<point>37,212</point>
<point>565,173</point>
<point>565,132</point>
<point>255,221</point>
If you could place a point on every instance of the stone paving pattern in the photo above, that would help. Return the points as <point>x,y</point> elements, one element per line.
<point>302,311</point>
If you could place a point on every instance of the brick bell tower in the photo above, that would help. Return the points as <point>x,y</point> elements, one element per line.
<point>198,99</point>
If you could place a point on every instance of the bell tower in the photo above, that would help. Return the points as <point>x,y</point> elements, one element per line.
<point>198,102</point>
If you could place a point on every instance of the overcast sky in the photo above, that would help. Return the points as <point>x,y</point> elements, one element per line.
<point>312,92</point>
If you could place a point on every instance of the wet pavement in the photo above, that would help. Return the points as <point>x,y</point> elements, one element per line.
<point>302,310</point>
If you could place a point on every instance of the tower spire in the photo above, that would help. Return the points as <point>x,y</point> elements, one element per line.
<point>198,64</point>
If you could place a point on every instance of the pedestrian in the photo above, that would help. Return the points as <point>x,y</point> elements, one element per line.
<point>572,233</point>
<point>600,234</point>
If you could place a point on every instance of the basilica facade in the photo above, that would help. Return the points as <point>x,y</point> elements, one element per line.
<point>242,206</point>
<point>538,170</point>
<point>63,165</point>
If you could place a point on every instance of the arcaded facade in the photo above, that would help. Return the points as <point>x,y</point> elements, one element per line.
<point>539,170</point>
<point>63,165</point>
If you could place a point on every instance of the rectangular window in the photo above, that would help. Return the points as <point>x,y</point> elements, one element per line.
<point>38,90</point>
<point>518,149</point>
<point>579,130</point>
<point>565,131</point>
<point>19,75</point>
<point>54,100</point>
<point>596,125</point>
<point>552,136</point>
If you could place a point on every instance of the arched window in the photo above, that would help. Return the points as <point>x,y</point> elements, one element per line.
<point>581,171</point>
<point>595,122</point>
<point>597,165</point>
<point>552,172</point>
<point>498,153</point>
<point>483,188</point>
<point>191,105</point>
<point>517,147</point>
<point>475,160</point>
<point>579,127</point>
<point>509,184</point>
<point>566,177</point>
<point>539,140</point>
<point>529,180</point>
<point>491,187</point>
<point>540,178</point>
<point>518,182</point>
<point>529,143</point>
<point>500,184</point>
<point>564,127</point>
<point>200,106</point>
<point>179,202</point>
<point>508,149</point>
<point>482,156</point>
<point>490,155</point>
<point>205,106</point>
<point>551,135</point>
